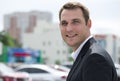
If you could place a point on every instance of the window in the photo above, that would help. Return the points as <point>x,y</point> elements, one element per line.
<point>33,70</point>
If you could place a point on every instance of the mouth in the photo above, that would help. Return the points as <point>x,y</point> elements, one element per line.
<point>71,36</point>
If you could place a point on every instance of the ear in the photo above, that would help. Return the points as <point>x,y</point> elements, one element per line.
<point>89,23</point>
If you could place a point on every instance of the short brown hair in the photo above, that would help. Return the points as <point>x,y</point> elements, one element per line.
<point>75,5</point>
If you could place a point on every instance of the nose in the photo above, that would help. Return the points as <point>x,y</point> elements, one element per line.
<point>69,27</point>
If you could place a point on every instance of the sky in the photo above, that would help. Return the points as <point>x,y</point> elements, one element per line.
<point>105,14</point>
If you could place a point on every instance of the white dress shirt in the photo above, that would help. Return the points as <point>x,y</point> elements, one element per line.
<point>75,53</point>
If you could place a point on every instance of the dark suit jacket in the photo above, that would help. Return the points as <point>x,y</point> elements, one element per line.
<point>93,64</point>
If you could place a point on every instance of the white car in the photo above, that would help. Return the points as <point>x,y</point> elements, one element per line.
<point>60,68</point>
<point>68,64</point>
<point>8,74</point>
<point>41,72</point>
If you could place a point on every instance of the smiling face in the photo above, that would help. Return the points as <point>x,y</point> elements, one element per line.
<point>74,29</point>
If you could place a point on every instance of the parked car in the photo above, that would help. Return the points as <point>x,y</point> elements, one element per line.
<point>8,74</point>
<point>42,72</point>
<point>60,68</point>
<point>68,64</point>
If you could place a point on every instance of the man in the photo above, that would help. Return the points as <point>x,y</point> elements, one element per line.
<point>92,63</point>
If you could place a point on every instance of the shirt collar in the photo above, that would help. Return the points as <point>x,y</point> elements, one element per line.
<point>75,53</point>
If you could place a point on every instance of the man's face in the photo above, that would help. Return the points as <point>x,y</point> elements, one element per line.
<point>74,29</point>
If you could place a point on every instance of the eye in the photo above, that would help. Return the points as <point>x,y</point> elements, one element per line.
<point>75,21</point>
<point>64,23</point>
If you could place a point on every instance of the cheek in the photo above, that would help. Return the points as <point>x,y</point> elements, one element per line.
<point>62,30</point>
<point>78,29</point>
<point>63,33</point>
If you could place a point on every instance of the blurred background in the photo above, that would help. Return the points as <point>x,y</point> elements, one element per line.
<point>29,31</point>
<point>32,26</point>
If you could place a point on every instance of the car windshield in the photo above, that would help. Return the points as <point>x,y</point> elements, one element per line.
<point>5,69</point>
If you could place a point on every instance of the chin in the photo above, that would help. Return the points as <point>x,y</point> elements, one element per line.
<point>71,45</point>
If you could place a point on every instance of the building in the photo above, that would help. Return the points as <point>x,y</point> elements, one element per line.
<point>19,22</point>
<point>47,38</point>
<point>111,43</point>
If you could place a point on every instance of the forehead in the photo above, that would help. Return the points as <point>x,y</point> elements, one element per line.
<point>71,14</point>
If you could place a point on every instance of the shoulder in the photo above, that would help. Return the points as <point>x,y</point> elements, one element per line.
<point>96,60</point>
<point>97,67</point>
<point>96,57</point>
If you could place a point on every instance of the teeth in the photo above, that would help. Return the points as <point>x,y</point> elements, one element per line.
<point>70,35</point>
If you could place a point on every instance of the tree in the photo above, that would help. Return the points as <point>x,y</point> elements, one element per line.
<point>7,40</point>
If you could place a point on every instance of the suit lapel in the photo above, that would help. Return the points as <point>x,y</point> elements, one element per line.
<point>78,60</point>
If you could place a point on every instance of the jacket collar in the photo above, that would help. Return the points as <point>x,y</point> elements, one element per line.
<point>76,53</point>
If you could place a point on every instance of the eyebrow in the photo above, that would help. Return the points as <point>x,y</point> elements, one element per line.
<point>76,19</point>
